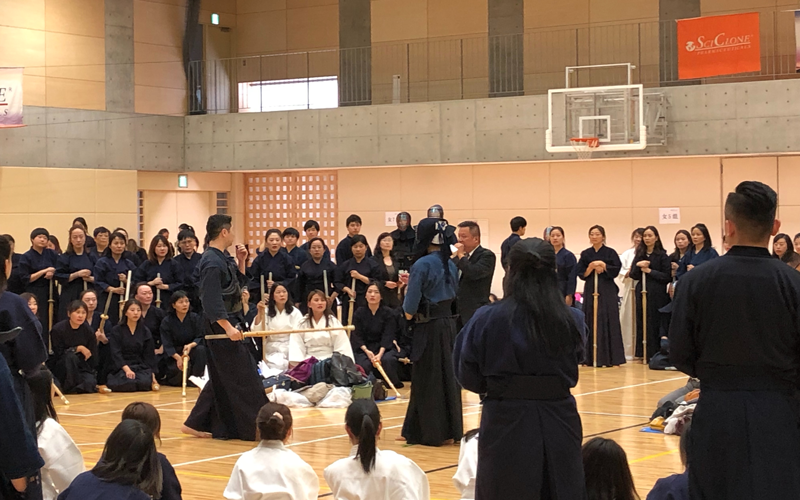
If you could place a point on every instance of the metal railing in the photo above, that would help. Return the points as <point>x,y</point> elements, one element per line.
<point>475,67</point>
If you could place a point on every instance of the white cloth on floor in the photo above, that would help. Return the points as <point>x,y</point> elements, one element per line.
<point>338,397</point>
<point>321,345</point>
<point>289,398</point>
<point>271,472</point>
<point>674,424</point>
<point>394,477</point>
<point>464,479</point>
<point>62,459</point>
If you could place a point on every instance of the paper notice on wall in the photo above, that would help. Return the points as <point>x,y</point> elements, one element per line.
<point>11,97</point>
<point>391,219</point>
<point>669,215</point>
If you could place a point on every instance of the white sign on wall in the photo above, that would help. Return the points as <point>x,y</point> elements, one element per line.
<point>391,219</point>
<point>669,215</point>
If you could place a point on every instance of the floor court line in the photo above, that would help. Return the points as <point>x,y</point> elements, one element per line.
<point>630,386</point>
<point>119,411</point>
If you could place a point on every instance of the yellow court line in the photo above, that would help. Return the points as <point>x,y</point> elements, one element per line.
<point>650,457</point>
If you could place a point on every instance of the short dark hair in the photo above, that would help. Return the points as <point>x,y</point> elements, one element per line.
<point>86,292</point>
<point>27,296</point>
<point>518,223</point>
<point>81,220</point>
<point>216,223</point>
<point>353,218</point>
<point>752,208</point>
<point>309,224</point>
<point>359,238</point>
<point>10,238</point>
<point>163,230</point>
<point>40,231</point>
<point>130,458</point>
<point>606,470</point>
<point>100,230</point>
<point>75,305</point>
<point>474,228</point>
<point>273,231</point>
<point>176,296</point>
<point>290,231</point>
<point>187,234</point>
<point>146,414</point>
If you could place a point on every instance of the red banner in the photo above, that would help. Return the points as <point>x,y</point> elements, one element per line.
<point>718,45</point>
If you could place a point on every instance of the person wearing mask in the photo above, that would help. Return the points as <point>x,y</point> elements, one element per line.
<point>148,415</point>
<point>129,468</point>
<point>604,262</point>
<point>74,360</point>
<point>388,275</point>
<point>102,238</point>
<point>321,345</point>
<point>311,228</point>
<point>628,290</point>
<point>783,249</point>
<point>74,269</point>
<point>651,264</point>
<point>700,252</point>
<point>315,273</point>
<point>608,475</point>
<point>374,336</point>
<point>437,212</point>
<point>476,267</point>
<point>369,472</point>
<point>523,354</point>
<point>403,238</point>
<point>358,269</point>
<point>277,313</point>
<point>518,227</point>
<point>272,471</point>
<point>566,265</point>
<point>734,326</point>
<point>111,272</point>
<point>273,264</point>
<point>433,416</point>
<point>290,236</point>
<point>344,250</point>
<point>37,269</point>
<point>181,335</point>
<point>160,271</point>
<point>187,259</point>
<point>132,353</point>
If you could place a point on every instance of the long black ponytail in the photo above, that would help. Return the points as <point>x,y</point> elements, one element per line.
<point>363,419</point>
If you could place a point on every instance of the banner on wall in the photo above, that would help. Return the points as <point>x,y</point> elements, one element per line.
<point>719,45</point>
<point>11,97</point>
<point>797,41</point>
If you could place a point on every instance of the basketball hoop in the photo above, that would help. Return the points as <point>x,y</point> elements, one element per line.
<point>585,146</point>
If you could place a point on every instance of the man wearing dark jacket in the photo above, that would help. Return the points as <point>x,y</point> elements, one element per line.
<point>476,267</point>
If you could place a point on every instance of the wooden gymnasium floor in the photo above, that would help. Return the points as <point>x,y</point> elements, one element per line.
<point>614,402</point>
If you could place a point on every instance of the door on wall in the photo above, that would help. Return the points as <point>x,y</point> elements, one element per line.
<point>288,199</point>
<point>219,70</point>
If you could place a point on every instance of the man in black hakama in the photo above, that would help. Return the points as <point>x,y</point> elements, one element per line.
<point>736,326</point>
<point>230,401</point>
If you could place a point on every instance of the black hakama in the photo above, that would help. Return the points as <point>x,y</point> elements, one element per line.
<point>376,331</point>
<point>367,267</point>
<point>137,352</point>
<point>657,297</point>
<point>610,350</point>
<point>75,373</point>
<point>175,335</point>
<point>69,263</point>
<point>31,263</point>
<point>529,443</point>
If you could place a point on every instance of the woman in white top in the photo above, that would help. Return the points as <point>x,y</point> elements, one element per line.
<point>628,289</point>
<point>270,471</point>
<point>321,345</point>
<point>370,473</point>
<point>277,314</point>
<point>467,471</point>
<point>62,458</point>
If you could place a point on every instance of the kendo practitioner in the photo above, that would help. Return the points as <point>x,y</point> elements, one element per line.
<point>15,282</point>
<point>359,268</point>
<point>188,259</point>
<point>298,255</point>
<point>374,335</point>
<point>312,275</point>
<point>160,271</point>
<point>271,263</point>
<point>518,227</point>
<point>433,417</point>
<point>230,401</point>
<point>403,238</point>
<point>476,266</point>
<point>80,221</point>
<point>437,212</point>
<point>37,269</point>
<point>74,360</point>
<point>523,354</point>
<point>736,327</point>
<point>74,269</point>
<point>111,277</point>
<point>182,334</point>
<point>605,261</point>
<point>651,259</point>
<point>344,250</point>
<point>102,237</point>
<point>311,228</point>
<point>152,317</point>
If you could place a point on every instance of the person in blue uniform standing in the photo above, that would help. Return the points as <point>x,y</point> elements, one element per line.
<point>37,271</point>
<point>160,271</point>
<point>700,251</point>
<point>358,269</point>
<point>433,417</point>
<point>111,273</point>
<point>518,227</point>
<point>311,228</point>
<point>188,259</point>
<point>652,260</point>
<point>523,354</point>
<point>566,265</point>
<point>74,269</point>
<point>344,248</point>
<point>298,255</point>
<point>273,264</point>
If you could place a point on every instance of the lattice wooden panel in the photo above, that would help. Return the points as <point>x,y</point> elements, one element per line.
<point>288,199</point>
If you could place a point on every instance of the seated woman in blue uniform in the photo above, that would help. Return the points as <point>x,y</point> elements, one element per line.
<point>74,360</point>
<point>128,469</point>
<point>676,486</point>
<point>132,353</point>
<point>182,335</point>
<point>523,354</point>
<point>374,336</point>
<point>608,474</point>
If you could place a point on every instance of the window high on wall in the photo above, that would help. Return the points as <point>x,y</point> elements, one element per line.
<point>283,95</point>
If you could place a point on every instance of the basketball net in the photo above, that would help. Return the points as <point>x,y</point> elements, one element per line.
<point>585,146</point>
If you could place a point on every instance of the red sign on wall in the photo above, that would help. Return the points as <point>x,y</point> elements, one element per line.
<point>719,45</point>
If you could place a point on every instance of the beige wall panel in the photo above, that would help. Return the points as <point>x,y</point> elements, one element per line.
<point>711,7</point>
<point>362,189</point>
<point>545,14</point>
<point>736,170</point>
<point>23,13</point>
<point>193,208</point>
<point>590,185</point>
<point>788,181</point>
<point>476,88</point>
<point>64,186</point>
<point>323,63</point>
<point>662,182</point>
<point>790,220</point>
<point>618,11</point>
<point>78,17</point>
<point>476,57</point>
<point>514,186</point>
<point>253,6</point>
<point>115,190</point>
<point>312,27</point>
<point>177,3</point>
<point>28,48</point>
<point>128,221</point>
<point>159,66</point>
<point>444,90</point>
<point>158,23</point>
<point>261,32</point>
<point>220,6</point>
<point>160,210</point>
<point>62,93</point>
<point>76,57</point>
<point>300,4</point>
<point>198,181</point>
<point>449,186</point>
<point>393,20</point>
<point>618,223</point>
<point>19,226</point>
<point>15,193</point>
<point>160,101</point>
<point>34,90</point>
<point>457,17</point>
